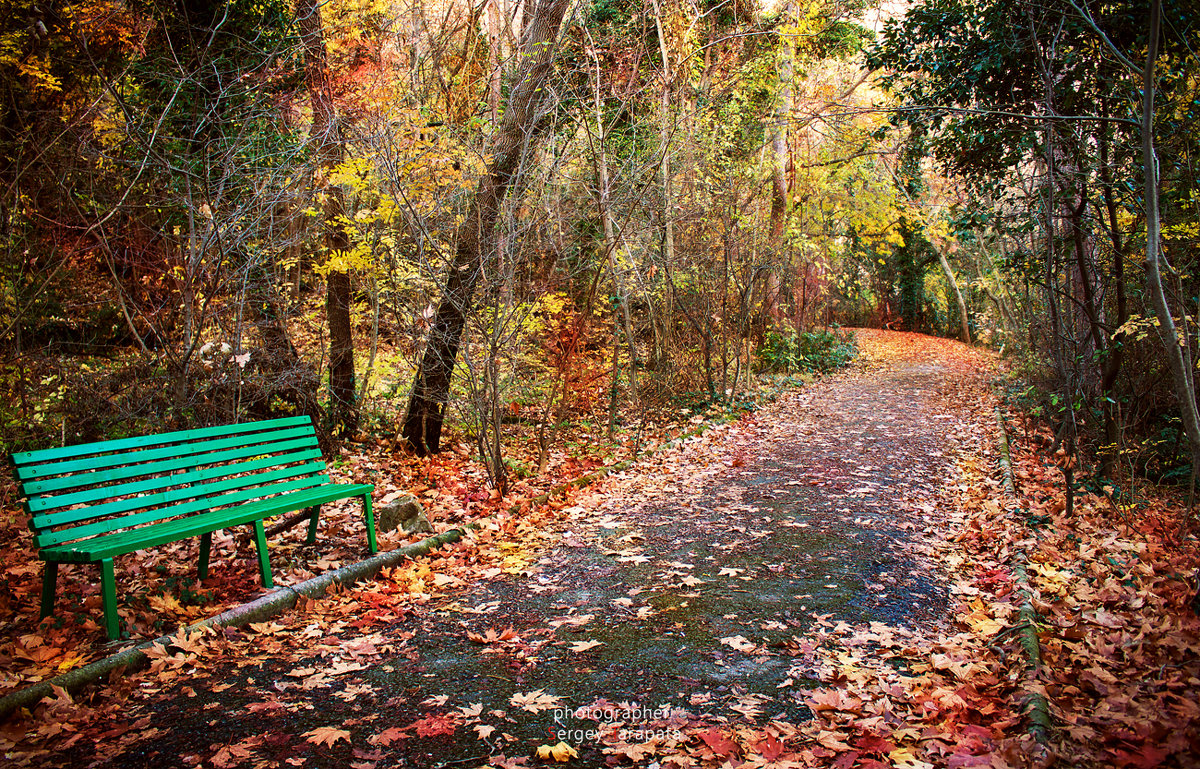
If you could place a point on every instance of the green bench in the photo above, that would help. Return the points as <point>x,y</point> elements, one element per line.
<point>91,502</point>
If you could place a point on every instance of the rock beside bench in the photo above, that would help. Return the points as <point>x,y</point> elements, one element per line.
<point>404,513</point>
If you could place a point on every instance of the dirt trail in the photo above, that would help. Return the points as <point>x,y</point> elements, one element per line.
<point>699,586</point>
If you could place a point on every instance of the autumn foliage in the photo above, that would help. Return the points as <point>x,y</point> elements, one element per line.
<point>601,261</point>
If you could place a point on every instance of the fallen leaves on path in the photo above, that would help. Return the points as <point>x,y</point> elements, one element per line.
<point>1118,638</point>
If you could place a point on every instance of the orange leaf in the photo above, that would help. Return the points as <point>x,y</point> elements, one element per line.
<point>388,736</point>
<point>326,735</point>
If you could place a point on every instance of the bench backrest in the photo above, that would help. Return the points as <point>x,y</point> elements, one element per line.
<point>77,492</point>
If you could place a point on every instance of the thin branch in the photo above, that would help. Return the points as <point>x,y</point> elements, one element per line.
<point>1086,15</point>
<point>989,112</point>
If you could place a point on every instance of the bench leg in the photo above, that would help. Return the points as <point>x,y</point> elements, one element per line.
<point>49,587</point>
<point>205,549</point>
<point>264,558</point>
<point>312,524</point>
<point>108,588</point>
<point>370,515</point>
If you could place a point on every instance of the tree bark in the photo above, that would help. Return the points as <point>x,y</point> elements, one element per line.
<point>510,144</point>
<point>326,133</point>
<point>1173,339</point>
<point>780,157</point>
<point>965,330</point>
<point>661,326</point>
<point>603,201</point>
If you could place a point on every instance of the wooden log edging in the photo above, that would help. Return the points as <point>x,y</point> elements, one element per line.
<point>284,598</point>
<point>1006,468</point>
<point>1035,706</point>
<point>258,610</point>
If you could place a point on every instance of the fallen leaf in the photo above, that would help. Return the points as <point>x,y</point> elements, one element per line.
<point>535,701</point>
<point>582,646</point>
<point>719,743</point>
<point>562,752</point>
<point>432,726</point>
<point>326,735</point>
<point>741,643</point>
<point>388,736</point>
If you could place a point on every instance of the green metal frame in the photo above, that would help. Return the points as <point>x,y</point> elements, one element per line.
<point>92,502</point>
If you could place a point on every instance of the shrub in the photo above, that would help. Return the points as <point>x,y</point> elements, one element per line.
<point>808,351</point>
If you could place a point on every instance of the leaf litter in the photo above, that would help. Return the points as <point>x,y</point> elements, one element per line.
<point>827,582</point>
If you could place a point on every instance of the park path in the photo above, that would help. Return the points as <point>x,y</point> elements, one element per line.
<point>692,592</point>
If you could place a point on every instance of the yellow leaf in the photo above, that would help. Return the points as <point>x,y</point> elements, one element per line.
<point>535,701</point>
<point>904,758</point>
<point>165,604</point>
<point>561,752</point>
<point>266,628</point>
<point>985,625</point>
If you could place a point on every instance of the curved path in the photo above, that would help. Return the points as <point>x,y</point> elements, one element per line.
<point>695,590</point>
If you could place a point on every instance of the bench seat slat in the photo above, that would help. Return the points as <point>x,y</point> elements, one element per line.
<point>161,467</point>
<point>60,475</point>
<point>48,538</point>
<point>23,458</point>
<point>159,490</point>
<point>123,542</point>
<point>200,491</point>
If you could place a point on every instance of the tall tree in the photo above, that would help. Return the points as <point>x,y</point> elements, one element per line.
<point>1179,356</point>
<point>510,146</point>
<point>781,151</point>
<point>330,150</point>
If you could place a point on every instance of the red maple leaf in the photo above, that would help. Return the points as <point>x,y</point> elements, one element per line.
<point>718,742</point>
<point>431,726</point>
<point>769,748</point>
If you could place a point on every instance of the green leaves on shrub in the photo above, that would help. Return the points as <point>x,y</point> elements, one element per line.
<point>807,351</point>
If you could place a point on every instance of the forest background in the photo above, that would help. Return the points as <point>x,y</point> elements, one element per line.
<point>529,230</point>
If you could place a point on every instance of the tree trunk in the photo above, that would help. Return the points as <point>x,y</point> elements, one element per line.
<point>780,156</point>
<point>603,200</point>
<point>327,135</point>
<point>1174,340</point>
<point>1116,355</point>
<point>965,330</point>
<point>495,35</point>
<point>343,406</point>
<point>509,145</point>
<point>660,324</point>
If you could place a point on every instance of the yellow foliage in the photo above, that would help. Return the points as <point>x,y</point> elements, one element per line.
<point>37,68</point>
<point>1182,231</point>
<point>1138,326</point>
<point>358,258</point>
<point>354,173</point>
<point>354,27</point>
